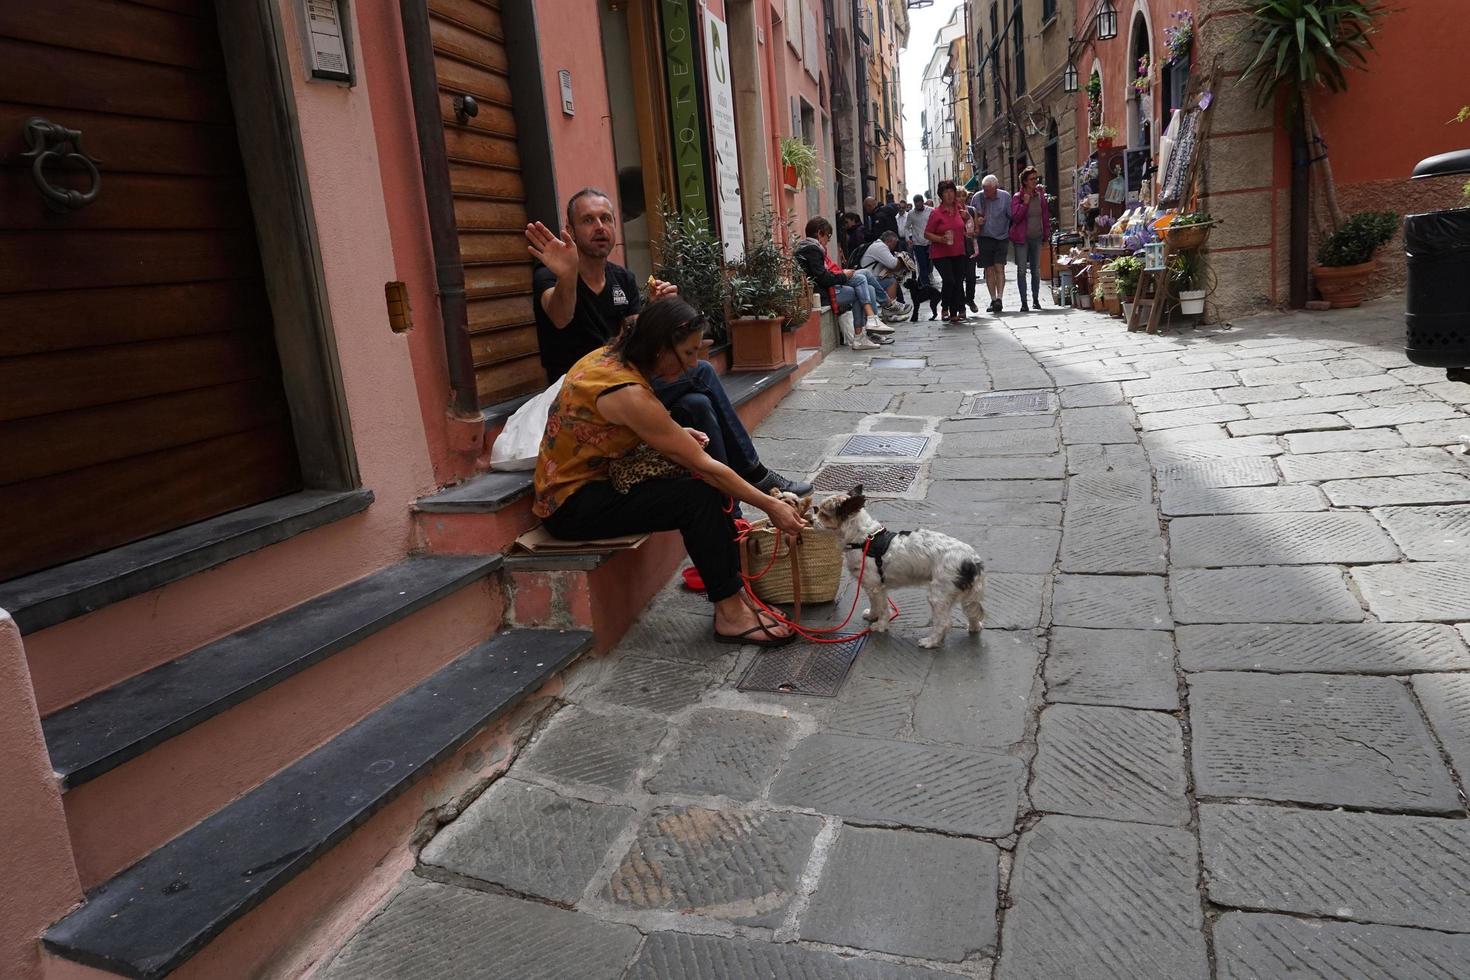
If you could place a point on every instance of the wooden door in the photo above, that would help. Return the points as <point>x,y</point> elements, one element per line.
<point>489,198</point>
<point>139,385</point>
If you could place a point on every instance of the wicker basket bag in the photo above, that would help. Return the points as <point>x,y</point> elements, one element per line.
<point>810,571</point>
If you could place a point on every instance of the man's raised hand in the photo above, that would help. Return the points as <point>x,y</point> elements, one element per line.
<point>557,254</point>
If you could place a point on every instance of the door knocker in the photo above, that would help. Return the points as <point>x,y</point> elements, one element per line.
<point>48,140</point>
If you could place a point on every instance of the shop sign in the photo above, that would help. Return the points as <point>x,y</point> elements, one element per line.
<point>686,123</point>
<point>722,124</point>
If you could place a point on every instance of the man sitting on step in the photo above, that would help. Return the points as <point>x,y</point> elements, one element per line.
<point>582,301</point>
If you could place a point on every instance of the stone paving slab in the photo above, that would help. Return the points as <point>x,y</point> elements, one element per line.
<point>1173,401</point>
<point>1271,594</point>
<point>1306,406</point>
<point>979,700</point>
<point>919,910</point>
<point>1285,374</point>
<point>899,514</point>
<point>1306,443</point>
<point>1162,438</point>
<point>1431,591</point>
<point>1118,667</point>
<point>1352,385</point>
<point>875,706</point>
<point>1179,382</point>
<point>1092,395</point>
<point>1106,901</point>
<point>811,424</point>
<point>1109,424</point>
<point>957,791</point>
<point>1404,414</point>
<point>1111,602</point>
<point>1029,550</point>
<point>1293,498</point>
<point>1015,442</point>
<point>528,840</point>
<point>1182,417</point>
<point>1429,533</point>
<point>1217,473</point>
<point>821,400</point>
<point>1258,394</point>
<point>1384,491</point>
<point>432,930</point>
<point>739,865</point>
<point>1446,700</point>
<point>1000,423</point>
<point>1447,432</point>
<point>1396,870</point>
<point>1327,648</point>
<point>677,630</point>
<point>1000,468</point>
<point>979,488</point>
<point>1248,947</point>
<point>660,686</point>
<point>1118,539</point>
<point>889,656</point>
<point>1087,458</point>
<point>1280,425</point>
<point>1313,738</point>
<point>1278,539</point>
<point>581,746</point>
<point>1316,467</point>
<point>681,956</point>
<point>1108,490</point>
<point>1110,763</point>
<point>723,753</point>
<point>1244,447</point>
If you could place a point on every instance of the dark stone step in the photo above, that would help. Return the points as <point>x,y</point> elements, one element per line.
<point>155,915</point>
<point>107,729</point>
<point>55,595</point>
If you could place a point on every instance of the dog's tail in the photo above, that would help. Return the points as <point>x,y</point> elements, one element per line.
<point>969,572</point>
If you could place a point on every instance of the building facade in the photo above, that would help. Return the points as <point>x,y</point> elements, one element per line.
<point>942,89</point>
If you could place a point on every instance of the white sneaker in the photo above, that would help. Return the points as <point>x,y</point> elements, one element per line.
<point>878,328</point>
<point>862,343</point>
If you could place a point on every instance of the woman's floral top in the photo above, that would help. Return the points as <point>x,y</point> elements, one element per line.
<point>579,442</point>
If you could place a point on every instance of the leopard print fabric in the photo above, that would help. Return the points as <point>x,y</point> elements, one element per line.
<point>643,463</point>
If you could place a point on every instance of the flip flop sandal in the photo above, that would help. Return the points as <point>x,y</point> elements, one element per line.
<point>745,639</point>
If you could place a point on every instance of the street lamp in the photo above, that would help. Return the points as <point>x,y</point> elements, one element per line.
<point>1107,21</point>
<point>1069,79</point>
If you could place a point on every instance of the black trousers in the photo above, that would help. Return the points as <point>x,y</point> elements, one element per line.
<point>952,272</point>
<point>692,507</point>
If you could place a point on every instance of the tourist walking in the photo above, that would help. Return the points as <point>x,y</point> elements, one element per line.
<point>913,230</point>
<point>993,205</point>
<point>946,234</point>
<point>1030,226</point>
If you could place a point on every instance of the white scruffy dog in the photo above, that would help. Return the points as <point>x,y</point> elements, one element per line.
<point>951,569</point>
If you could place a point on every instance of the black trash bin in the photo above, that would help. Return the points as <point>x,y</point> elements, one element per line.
<point>1437,304</point>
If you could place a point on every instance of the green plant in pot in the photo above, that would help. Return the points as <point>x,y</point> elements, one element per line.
<point>1345,258</point>
<point>768,295</point>
<point>691,256</point>
<point>1126,273</point>
<point>1188,277</point>
<point>799,161</point>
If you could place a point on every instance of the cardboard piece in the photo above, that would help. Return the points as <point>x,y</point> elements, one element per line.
<point>538,541</point>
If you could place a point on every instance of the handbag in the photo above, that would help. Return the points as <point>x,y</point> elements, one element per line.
<point>642,464</point>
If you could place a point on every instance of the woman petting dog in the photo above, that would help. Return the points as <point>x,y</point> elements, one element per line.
<point>606,410</point>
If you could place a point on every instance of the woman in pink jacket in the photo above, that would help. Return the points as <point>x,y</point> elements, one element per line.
<point>1030,226</point>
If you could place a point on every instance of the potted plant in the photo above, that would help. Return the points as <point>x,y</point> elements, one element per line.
<point>799,164</point>
<point>1187,277</point>
<point>1188,231</point>
<point>1345,258</point>
<point>1179,36</point>
<point>691,256</point>
<point>1102,136</point>
<point>1144,79</point>
<point>1126,273</point>
<point>1094,99</point>
<point>767,295</point>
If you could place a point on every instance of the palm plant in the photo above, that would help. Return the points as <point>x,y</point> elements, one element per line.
<point>1304,44</point>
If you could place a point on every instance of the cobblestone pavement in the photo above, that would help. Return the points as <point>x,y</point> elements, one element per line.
<point>1218,723</point>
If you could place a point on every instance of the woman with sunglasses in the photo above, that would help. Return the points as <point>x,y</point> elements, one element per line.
<point>607,409</point>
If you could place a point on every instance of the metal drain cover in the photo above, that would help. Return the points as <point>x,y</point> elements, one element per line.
<point>994,404</point>
<point>802,668</point>
<point>898,363</point>
<point>885,444</point>
<point>876,478</point>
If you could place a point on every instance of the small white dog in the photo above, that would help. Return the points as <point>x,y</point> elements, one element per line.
<point>951,569</point>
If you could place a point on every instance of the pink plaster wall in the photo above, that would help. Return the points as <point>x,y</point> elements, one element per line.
<point>581,145</point>
<point>40,879</point>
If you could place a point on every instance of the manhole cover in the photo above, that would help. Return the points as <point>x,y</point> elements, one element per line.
<point>1000,403</point>
<point>803,668</point>
<point>876,478</point>
<point>911,447</point>
<point>898,363</point>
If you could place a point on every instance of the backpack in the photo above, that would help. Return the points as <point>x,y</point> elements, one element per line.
<point>856,258</point>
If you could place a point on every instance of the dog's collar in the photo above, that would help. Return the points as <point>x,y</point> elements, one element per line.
<point>876,545</point>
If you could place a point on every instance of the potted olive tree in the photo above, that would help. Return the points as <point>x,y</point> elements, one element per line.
<point>767,296</point>
<point>1345,258</point>
<point>691,256</point>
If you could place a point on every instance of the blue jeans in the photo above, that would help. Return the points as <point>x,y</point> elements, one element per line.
<point>1025,255</point>
<point>921,259</point>
<point>697,399</point>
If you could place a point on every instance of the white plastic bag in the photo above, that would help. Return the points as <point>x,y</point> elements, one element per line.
<point>519,443</point>
<point>935,280</point>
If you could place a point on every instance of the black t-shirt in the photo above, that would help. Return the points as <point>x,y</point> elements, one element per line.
<point>596,319</point>
<point>883,218</point>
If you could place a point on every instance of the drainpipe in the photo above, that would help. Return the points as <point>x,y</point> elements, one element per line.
<point>443,232</point>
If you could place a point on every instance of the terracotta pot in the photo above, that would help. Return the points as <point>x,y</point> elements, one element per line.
<point>1104,142</point>
<point>756,344</point>
<point>788,176</point>
<point>1342,285</point>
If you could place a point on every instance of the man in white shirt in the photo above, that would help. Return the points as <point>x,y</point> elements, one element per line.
<point>913,229</point>
<point>879,259</point>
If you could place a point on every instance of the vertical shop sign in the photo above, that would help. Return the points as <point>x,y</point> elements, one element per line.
<point>722,124</point>
<point>685,117</point>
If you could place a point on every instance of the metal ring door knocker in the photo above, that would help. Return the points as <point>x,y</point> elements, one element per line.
<point>48,140</point>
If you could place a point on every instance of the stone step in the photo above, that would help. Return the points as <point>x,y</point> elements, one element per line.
<point>107,729</point>
<point>154,916</point>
